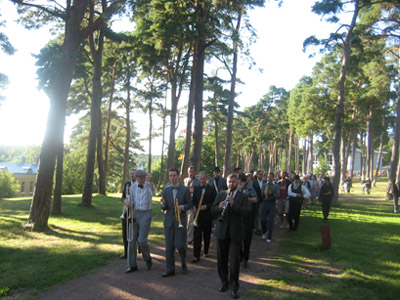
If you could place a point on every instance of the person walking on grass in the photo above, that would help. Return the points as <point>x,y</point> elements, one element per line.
<point>297,193</point>
<point>325,197</point>
<point>394,192</point>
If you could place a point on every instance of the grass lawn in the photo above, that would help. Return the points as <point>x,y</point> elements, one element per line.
<point>363,262</point>
<point>79,240</point>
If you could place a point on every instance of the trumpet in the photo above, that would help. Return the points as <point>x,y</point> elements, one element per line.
<point>198,208</point>
<point>221,217</point>
<point>129,217</point>
<point>177,214</point>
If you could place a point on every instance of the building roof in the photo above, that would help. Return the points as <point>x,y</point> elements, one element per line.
<point>19,168</point>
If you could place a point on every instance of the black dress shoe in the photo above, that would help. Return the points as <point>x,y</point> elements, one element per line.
<point>235,294</point>
<point>184,269</point>
<point>168,273</point>
<point>223,288</point>
<point>206,255</point>
<point>122,256</point>
<point>149,264</point>
<point>195,260</point>
<point>130,269</point>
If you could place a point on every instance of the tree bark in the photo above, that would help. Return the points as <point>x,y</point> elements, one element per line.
<point>395,150</point>
<point>189,122</point>
<point>229,126</point>
<point>164,118</point>
<point>339,111</point>
<point>216,142</point>
<point>304,163</point>
<point>95,120</point>
<point>59,178</point>
<point>100,161</point>
<point>40,205</point>
<point>127,105</point>
<point>289,156</point>
<point>107,142</point>
<point>150,132</point>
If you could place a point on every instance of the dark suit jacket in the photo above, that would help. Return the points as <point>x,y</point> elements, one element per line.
<point>234,219</point>
<point>183,197</point>
<point>209,197</point>
<point>257,188</point>
<point>221,183</point>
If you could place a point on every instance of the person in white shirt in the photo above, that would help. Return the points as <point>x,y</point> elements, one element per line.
<point>141,195</point>
<point>297,193</point>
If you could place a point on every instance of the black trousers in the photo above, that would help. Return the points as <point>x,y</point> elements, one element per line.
<point>294,214</point>
<point>228,252</point>
<point>245,249</point>
<point>201,232</point>
<point>124,236</point>
<point>326,207</point>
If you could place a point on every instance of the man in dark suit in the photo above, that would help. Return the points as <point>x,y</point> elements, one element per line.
<point>205,194</point>
<point>231,207</point>
<point>257,185</point>
<point>218,182</point>
<point>123,217</point>
<point>175,201</point>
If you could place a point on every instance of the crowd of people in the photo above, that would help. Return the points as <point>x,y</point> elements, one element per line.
<point>233,209</point>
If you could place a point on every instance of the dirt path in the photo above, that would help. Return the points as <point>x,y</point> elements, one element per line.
<point>201,281</point>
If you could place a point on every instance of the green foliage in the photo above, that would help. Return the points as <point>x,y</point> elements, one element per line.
<point>322,167</point>
<point>8,185</point>
<point>16,154</point>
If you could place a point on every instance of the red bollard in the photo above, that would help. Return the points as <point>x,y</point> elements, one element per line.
<point>326,233</point>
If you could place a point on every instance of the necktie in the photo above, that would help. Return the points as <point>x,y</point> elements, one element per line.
<point>266,192</point>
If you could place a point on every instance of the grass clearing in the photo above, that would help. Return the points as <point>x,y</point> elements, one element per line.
<point>363,262</point>
<point>78,241</point>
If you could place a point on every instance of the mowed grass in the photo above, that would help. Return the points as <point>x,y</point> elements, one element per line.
<point>78,241</point>
<point>363,262</point>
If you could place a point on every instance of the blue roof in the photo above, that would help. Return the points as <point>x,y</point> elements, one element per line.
<point>19,168</point>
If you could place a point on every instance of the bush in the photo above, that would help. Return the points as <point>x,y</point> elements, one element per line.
<point>8,185</point>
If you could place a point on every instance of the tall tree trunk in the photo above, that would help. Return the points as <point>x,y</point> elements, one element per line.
<point>216,143</point>
<point>198,65</point>
<point>394,162</point>
<point>361,154</point>
<point>150,132</point>
<point>127,105</point>
<point>304,165</point>
<point>100,161</point>
<point>370,146</point>
<point>340,104</point>
<point>310,154</point>
<point>172,129</point>
<point>107,142</point>
<point>97,55</point>
<point>297,156</point>
<point>164,118</point>
<point>343,157</point>
<point>189,123</point>
<point>353,153</point>
<point>232,94</point>
<point>378,165</point>
<point>40,205</point>
<point>59,178</point>
<point>289,156</point>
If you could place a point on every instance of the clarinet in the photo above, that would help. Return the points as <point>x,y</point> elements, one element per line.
<point>221,217</point>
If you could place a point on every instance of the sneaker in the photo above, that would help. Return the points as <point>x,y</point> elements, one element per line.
<point>264,236</point>
<point>269,241</point>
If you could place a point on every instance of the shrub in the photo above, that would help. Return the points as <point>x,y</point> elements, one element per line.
<point>8,185</point>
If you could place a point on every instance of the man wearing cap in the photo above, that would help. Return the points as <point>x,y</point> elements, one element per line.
<point>218,182</point>
<point>141,193</point>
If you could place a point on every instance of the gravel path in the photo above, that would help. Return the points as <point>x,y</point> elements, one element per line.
<point>200,282</point>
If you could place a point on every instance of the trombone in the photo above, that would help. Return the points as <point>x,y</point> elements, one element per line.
<point>129,217</point>
<point>198,208</point>
<point>177,214</point>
